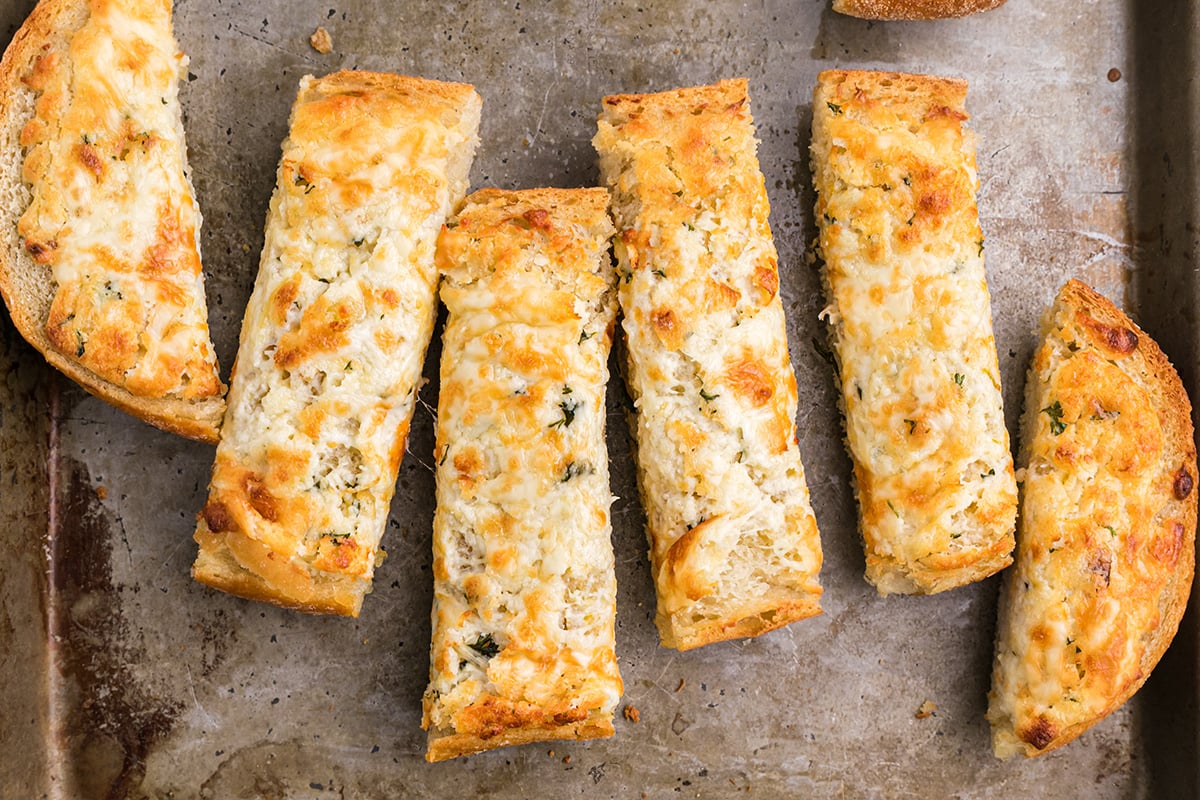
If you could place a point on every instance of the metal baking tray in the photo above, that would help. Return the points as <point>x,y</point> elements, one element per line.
<point>120,677</point>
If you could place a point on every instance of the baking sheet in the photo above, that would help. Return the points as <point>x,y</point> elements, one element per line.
<point>119,677</point>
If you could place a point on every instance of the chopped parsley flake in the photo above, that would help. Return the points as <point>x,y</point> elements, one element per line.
<point>959,378</point>
<point>568,408</point>
<point>912,425</point>
<point>485,645</point>
<point>1055,412</point>
<point>574,470</point>
<point>835,108</point>
<point>708,398</point>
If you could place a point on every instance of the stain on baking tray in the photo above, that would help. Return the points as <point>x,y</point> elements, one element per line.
<point>113,720</point>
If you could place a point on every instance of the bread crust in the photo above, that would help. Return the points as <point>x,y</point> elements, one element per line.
<point>910,326</point>
<point>1106,547</point>
<point>27,286</point>
<point>334,339</point>
<point>913,9</point>
<point>733,541</point>
<point>523,645</point>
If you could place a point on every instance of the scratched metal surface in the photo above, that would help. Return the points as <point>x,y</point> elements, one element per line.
<point>121,678</point>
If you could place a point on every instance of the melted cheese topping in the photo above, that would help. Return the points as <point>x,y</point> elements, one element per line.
<point>336,329</point>
<point>524,588</point>
<point>1099,547</point>
<point>911,325</point>
<point>733,539</point>
<point>112,212</point>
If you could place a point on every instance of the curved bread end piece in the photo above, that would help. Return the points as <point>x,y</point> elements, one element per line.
<point>913,9</point>
<point>1105,552</point>
<point>99,248</point>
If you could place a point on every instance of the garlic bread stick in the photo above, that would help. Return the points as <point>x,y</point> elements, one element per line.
<point>733,541</point>
<point>524,588</point>
<point>911,328</point>
<point>334,338</point>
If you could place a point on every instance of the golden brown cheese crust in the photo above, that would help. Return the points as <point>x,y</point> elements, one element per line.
<point>524,587</point>
<point>733,541</point>
<point>334,339</point>
<point>1106,550</point>
<point>111,213</point>
<point>910,324</point>
<point>913,9</point>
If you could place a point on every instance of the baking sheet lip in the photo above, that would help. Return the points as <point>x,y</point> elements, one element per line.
<point>1014,4</point>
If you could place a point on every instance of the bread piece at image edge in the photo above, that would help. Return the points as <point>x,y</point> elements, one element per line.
<point>524,586</point>
<point>733,541</point>
<point>913,9</point>
<point>1105,550</point>
<point>114,303</point>
<point>334,339</point>
<point>910,326</point>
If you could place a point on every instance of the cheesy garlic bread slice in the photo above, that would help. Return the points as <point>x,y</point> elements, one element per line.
<point>99,246</point>
<point>524,587</point>
<point>1106,546</point>
<point>334,338</point>
<point>911,328</point>
<point>733,542</point>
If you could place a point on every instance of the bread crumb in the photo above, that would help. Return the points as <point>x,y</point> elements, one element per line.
<point>102,492</point>
<point>321,41</point>
<point>1114,75</point>
<point>682,683</point>
<point>566,759</point>
<point>631,714</point>
<point>550,753</point>
<point>926,710</point>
